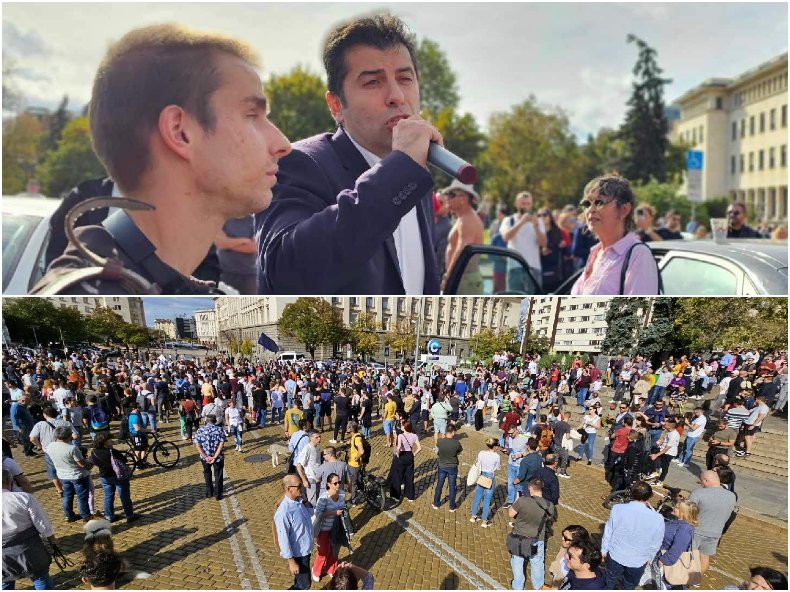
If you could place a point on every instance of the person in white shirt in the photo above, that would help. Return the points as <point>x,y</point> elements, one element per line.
<point>667,449</point>
<point>60,393</point>
<point>752,425</point>
<point>24,523</point>
<point>525,233</point>
<point>695,432</point>
<point>233,422</point>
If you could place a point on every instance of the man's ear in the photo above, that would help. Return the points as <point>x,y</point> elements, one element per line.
<point>176,130</point>
<point>335,106</point>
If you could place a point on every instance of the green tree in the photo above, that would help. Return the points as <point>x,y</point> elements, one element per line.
<point>246,347</point>
<point>657,339</point>
<point>645,128</point>
<point>31,318</point>
<point>705,324</point>
<point>438,84</point>
<point>364,338</point>
<point>56,123</point>
<point>22,138</point>
<point>298,106</point>
<point>532,149</point>
<point>484,344</point>
<point>104,324</point>
<point>663,197</point>
<point>314,322</point>
<point>135,335</point>
<point>623,323</point>
<point>536,344</point>
<point>401,338</point>
<point>71,162</point>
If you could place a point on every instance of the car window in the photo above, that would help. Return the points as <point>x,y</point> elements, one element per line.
<point>684,276</point>
<point>17,231</point>
<point>488,274</point>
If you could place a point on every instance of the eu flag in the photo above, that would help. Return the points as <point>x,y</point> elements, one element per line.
<point>267,343</point>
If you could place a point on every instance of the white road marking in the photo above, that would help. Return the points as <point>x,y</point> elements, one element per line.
<point>456,561</point>
<point>252,554</point>
<point>234,545</point>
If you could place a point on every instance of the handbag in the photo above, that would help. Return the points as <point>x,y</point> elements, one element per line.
<point>473,476</point>
<point>121,470</point>
<point>484,482</point>
<point>686,571</point>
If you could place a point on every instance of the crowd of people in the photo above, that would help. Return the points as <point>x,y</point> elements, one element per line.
<point>539,417</point>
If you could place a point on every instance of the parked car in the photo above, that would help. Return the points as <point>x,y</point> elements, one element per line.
<point>25,239</point>
<point>688,268</point>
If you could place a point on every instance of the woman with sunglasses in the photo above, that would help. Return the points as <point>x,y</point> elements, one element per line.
<point>330,505</point>
<point>552,253</point>
<point>620,263</point>
<point>571,535</point>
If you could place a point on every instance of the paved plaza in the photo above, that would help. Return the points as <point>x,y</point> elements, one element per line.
<point>185,541</point>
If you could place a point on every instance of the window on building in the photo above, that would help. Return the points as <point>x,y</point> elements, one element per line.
<point>74,299</point>
<point>751,162</point>
<point>732,164</point>
<point>772,119</point>
<point>743,127</point>
<point>352,301</point>
<point>116,307</point>
<point>751,125</point>
<point>762,122</point>
<point>734,130</point>
<point>401,304</point>
<point>771,158</point>
<point>701,134</point>
<point>784,115</point>
<point>741,167</point>
<point>369,302</point>
<point>694,137</point>
<point>783,156</point>
<point>719,103</point>
<point>352,317</point>
<point>385,303</point>
<point>761,160</point>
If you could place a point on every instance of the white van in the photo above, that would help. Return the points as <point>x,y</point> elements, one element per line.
<point>289,356</point>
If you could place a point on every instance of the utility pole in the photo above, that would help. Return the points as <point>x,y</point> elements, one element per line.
<point>417,337</point>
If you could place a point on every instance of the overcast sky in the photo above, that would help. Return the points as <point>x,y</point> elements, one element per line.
<point>169,307</point>
<point>571,55</point>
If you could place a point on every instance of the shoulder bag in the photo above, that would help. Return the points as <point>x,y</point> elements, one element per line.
<point>523,546</point>
<point>473,476</point>
<point>686,571</point>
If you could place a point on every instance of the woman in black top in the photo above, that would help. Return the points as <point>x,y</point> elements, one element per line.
<point>110,482</point>
<point>551,255</point>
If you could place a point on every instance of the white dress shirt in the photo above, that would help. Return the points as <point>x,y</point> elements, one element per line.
<point>21,511</point>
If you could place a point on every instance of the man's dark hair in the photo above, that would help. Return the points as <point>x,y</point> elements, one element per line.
<point>536,483</point>
<point>382,31</point>
<point>628,420</point>
<point>641,491</point>
<point>344,579</point>
<point>532,443</point>
<point>63,434</point>
<point>589,553</point>
<point>49,412</point>
<point>726,474</point>
<point>550,459</point>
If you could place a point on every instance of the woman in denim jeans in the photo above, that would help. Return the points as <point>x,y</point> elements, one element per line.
<point>488,461</point>
<point>591,423</point>
<point>101,457</point>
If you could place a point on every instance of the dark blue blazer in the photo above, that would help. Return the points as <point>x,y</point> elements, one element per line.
<point>329,227</point>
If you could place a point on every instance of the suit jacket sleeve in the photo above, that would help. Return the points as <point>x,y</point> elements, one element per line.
<point>311,235</point>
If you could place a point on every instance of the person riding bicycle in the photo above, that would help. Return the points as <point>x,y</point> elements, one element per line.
<point>139,435</point>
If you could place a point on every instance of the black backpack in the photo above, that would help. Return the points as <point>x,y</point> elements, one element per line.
<point>123,429</point>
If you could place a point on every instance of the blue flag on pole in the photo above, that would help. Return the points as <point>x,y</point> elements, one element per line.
<point>267,342</point>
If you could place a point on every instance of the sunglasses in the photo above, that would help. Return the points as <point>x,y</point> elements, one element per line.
<point>334,483</point>
<point>586,204</point>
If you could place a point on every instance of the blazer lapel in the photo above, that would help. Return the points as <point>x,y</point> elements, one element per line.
<point>355,164</point>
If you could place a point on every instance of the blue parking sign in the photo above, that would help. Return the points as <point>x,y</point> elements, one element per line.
<point>694,160</point>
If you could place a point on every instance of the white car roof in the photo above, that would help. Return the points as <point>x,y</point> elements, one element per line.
<point>17,205</point>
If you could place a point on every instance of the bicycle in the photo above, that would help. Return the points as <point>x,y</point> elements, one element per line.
<point>372,489</point>
<point>166,453</point>
<point>664,506</point>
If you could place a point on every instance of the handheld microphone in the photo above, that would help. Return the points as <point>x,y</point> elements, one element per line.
<point>456,167</point>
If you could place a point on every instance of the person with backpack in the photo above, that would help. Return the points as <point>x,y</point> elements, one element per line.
<point>95,418</point>
<point>138,433</point>
<point>114,476</point>
<point>358,456</point>
<point>145,404</point>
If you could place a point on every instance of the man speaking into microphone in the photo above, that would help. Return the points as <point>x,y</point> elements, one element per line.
<point>352,211</point>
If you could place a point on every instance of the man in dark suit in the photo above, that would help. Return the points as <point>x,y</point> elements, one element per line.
<point>352,211</point>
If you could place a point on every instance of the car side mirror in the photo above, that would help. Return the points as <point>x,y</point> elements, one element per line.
<point>484,270</point>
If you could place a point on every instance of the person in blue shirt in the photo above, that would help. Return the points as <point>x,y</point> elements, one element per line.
<point>139,434</point>
<point>293,523</point>
<point>209,442</point>
<point>22,422</point>
<point>631,538</point>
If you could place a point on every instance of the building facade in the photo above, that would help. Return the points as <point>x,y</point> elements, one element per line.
<point>206,326</point>
<point>451,320</point>
<point>740,125</point>
<point>166,326</point>
<point>572,325</point>
<point>185,327</point>
<point>130,309</point>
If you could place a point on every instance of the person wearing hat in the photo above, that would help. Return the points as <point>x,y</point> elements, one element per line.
<point>467,230</point>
